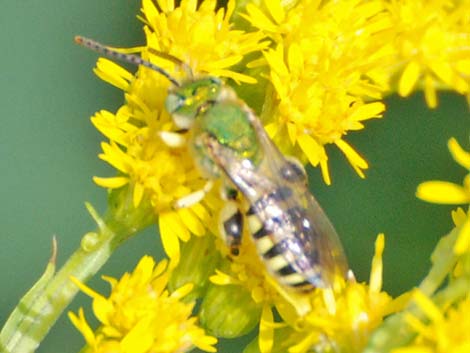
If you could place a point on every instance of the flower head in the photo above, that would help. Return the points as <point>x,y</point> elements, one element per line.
<point>332,61</point>
<point>444,329</point>
<point>342,320</point>
<point>432,44</point>
<point>445,192</point>
<point>200,35</point>
<point>202,38</point>
<point>321,67</point>
<point>140,315</point>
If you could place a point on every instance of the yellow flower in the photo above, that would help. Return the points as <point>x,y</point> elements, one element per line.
<point>201,37</point>
<point>343,317</point>
<point>248,271</point>
<point>445,329</point>
<point>154,171</point>
<point>343,320</point>
<point>462,222</point>
<point>444,192</point>
<point>140,315</point>
<point>321,69</point>
<point>432,41</point>
<point>332,61</point>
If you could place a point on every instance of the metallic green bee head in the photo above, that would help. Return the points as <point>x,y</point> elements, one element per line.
<point>186,99</point>
<point>184,102</point>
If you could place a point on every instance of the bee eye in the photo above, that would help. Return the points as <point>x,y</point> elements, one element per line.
<point>293,170</point>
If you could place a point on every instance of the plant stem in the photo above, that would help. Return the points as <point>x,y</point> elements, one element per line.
<point>39,309</point>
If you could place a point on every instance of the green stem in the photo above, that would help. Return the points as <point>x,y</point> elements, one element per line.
<point>39,309</point>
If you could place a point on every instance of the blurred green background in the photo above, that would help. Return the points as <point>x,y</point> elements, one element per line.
<point>48,153</point>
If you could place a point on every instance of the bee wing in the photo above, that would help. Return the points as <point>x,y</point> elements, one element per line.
<point>324,243</point>
<point>285,179</point>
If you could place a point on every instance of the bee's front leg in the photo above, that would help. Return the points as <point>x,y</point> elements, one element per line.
<point>173,139</point>
<point>178,139</point>
<point>194,197</point>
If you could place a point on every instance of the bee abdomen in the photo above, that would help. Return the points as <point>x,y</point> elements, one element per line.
<point>273,255</point>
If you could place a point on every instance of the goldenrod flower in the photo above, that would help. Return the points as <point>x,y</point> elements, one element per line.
<point>321,67</point>
<point>200,35</point>
<point>326,66</point>
<point>443,330</point>
<point>432,42</point>
<point>202,38</point>
<point>462,222</point>
<point>248,271</point>
<point>245,276</point>
<point>341,318</point>
<point>332,61</point>
<point>445,192</point>
<point>155,171</point>
<point>140,315</point>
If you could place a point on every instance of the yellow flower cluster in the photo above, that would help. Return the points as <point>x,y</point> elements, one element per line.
<point>320,64</point>
<point>332,61</point>
<point>441,323</point>
<point>326,66</point>
<point>339,319</point>
<point>445,192</point>
<point>343,320</point>
<point>444,329</point>
<point>141,316</point>
<point>202,37</point>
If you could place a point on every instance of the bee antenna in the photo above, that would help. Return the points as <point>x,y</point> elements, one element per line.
<point>186,68</point>
<point>129,58</point>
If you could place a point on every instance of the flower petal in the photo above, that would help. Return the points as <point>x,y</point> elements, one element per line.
<point>442,192</point>
<point>409,78</point>
<point>266,330</point>
<point>461,156</point>
<point>462,245</point>
<point>111,183</point>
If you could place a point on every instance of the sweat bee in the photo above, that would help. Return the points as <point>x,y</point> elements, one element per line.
<point>293,236</point>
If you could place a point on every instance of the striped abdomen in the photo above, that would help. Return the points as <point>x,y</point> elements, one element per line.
<point>283,236</point>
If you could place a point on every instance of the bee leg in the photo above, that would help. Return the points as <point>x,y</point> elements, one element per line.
<point>231,226</point>
<point>194,197</point>
<point>173,139</point>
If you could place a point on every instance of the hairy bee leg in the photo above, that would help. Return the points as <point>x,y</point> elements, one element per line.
<point>173,139</point>
<point>195,197</point>
<point>231,226</point>
<point>231,220</point>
